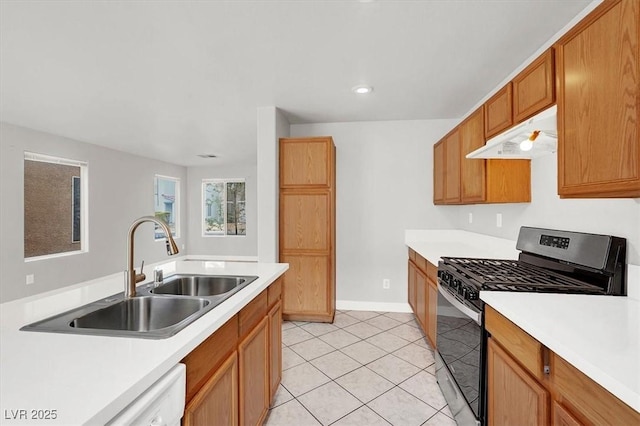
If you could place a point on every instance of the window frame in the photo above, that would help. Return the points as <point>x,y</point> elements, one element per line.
<point>224,181</point>
<point>176,204</point>
<point>84,203</point>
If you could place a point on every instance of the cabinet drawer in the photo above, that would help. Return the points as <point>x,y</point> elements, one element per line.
<point>274,292</point>
<point>209,355</point>
<point>421,263</point>
<point>412,255</point>
<point>251,314</point>
<point>588,398</point>
<point>527,350</point>
<point>432,273</point>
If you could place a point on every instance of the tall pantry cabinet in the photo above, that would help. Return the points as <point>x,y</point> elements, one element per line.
<point>307,227</point>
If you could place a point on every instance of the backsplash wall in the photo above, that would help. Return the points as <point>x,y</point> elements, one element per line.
<point>619,217</point>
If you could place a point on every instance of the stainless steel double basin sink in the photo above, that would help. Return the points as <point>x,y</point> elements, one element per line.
<point>155,313</point>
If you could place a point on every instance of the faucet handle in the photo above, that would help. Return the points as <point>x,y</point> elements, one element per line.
<point>141,276</point>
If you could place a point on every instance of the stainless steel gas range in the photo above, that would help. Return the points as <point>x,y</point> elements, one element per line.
<point>550,261</point>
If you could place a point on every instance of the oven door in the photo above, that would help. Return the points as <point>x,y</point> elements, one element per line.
<point>459,357</point>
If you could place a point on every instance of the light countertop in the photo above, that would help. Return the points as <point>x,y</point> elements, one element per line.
<point>599,335</point>
<point>90,379</point>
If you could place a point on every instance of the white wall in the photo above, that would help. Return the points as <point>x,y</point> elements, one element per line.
<point>620,217</point>
<point>222,245</point>
<point>120,190</point>
<point>271,126</point>
<point>384,186</point>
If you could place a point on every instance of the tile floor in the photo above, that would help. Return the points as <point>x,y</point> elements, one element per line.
<point>367,368</point>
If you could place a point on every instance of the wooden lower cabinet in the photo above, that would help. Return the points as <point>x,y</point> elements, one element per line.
<point>432,310</point>
<point>233,375</point>
<point>253,354</point>
<point>521,391</point>
<point>217,400</point>
<point>413,271</point>
<point>275,344</point>
<point>563,417</point>
<point>423,294</point>
<point>306,294</point>
<point>515,398</point>
<point>421,299</point>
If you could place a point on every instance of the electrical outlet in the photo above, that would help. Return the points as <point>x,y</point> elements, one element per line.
<point>499,220</point>
<point>30,279</point>
<point>386,283</point>
<point>470,217</point>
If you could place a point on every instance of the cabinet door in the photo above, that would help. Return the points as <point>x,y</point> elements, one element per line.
<point>472,171</point>
<point>275,349</point>
<point>514,397</point>
<point>253,353</point>
<point>452,168</point>
<point>438,173</point>
<point>563,417</point>
<point>498,113</point>
<point>305,162</point>
<point>534,88</point>
<point>217,400</point>
<point>432,297</point>
<point>412,286</point>
<point>305,220</point>
<point>421,299</point>
<point>307,289</point>
<point>598,101</point>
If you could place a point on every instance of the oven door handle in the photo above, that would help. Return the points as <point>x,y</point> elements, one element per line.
<point>475,316</point>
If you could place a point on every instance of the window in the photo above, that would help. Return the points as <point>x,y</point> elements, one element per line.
<point>55,206</point>
<point>223,207</point>
<point>167,204</point>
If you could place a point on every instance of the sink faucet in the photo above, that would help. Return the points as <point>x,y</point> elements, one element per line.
<point>131,277</point>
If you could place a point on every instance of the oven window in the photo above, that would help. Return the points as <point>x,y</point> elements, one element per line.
<point>459,344</point>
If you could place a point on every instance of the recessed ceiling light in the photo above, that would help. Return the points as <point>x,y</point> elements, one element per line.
<point>362,89</point>
<point>207,155</point>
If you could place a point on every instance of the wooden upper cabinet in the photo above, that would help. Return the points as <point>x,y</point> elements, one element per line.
<point>534,88</point>
<point>452,167</point>
<point>438,172</point>
<point>498,112</point>
<point>305,161</point>
<point>598,64</point>
<point>472,170</point>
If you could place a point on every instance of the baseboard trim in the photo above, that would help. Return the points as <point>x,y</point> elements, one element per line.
<point>351,305</point>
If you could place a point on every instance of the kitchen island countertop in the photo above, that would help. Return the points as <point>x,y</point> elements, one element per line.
<point>90,379</point>
<point>599,335</point>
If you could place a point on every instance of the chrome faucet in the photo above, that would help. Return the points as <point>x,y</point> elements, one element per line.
<point>131,277</point>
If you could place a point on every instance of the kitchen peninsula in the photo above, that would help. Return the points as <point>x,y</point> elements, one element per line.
<point>90,379</point>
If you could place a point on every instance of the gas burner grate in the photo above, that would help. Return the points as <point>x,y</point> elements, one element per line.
<point>514,275</point>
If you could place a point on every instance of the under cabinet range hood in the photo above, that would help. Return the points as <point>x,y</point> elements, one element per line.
<point>530,139</point>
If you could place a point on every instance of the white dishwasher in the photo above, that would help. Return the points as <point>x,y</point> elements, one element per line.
<point>160,405</point>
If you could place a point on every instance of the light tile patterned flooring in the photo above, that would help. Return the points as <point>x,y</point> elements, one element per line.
<point>367,368</point>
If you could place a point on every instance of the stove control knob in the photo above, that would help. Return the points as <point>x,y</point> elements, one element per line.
<point>472,294</point>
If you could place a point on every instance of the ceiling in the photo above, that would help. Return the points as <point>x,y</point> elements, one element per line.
<point>173,79</point>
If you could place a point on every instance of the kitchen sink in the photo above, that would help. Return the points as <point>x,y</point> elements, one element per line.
<point>144,313</point>
<point>202,285</point>
<point>155,313</point>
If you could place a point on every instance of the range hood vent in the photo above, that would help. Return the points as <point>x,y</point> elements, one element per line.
<point>541,130</point>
